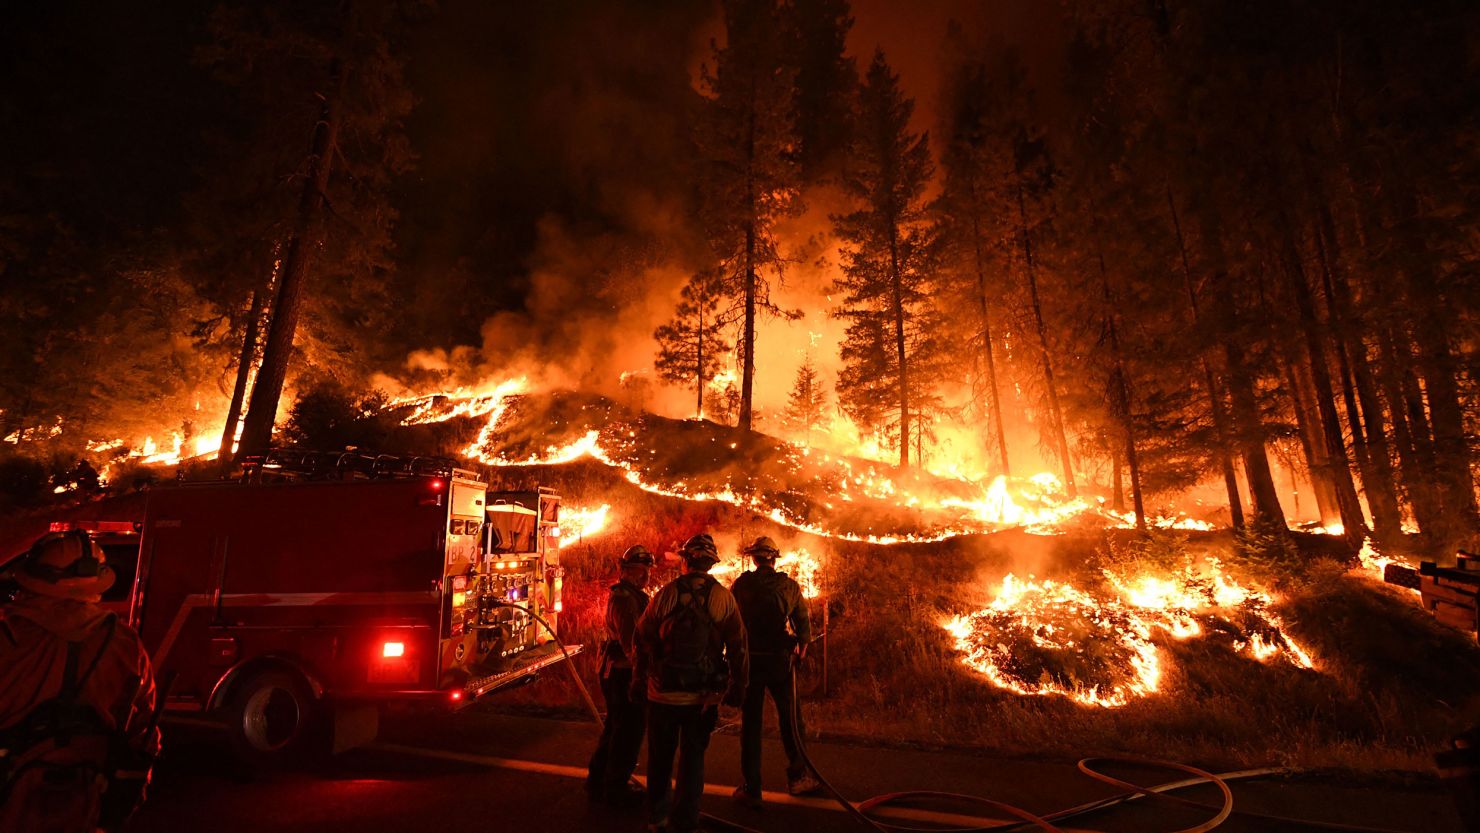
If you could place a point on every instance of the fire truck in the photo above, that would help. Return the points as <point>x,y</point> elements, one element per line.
<point>318,588</point>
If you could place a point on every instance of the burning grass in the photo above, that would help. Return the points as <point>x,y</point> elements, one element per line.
<point>1383,686</point>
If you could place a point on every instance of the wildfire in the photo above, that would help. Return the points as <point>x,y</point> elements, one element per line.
<point>804,567</point>
<point>1099,648</point>
<point>1374,564</point>
<point>577,523</point>
<point>1037,504</point>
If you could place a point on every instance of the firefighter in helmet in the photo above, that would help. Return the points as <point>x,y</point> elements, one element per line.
<point>608,777</point>
<point>77,722</point>
<point>690,658</point>
<point>777,629</point>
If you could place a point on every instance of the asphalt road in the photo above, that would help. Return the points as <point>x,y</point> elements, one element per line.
<point>478,771</point>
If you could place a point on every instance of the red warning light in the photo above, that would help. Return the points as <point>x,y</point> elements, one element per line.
<point>436,485</point>
<point>456,695</point>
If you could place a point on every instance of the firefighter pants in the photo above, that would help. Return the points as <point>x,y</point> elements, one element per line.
<point>684,730</point>
<point>768,673</point>
<point>621,735</point>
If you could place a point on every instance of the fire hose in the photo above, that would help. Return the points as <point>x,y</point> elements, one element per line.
<point>1027,820</point>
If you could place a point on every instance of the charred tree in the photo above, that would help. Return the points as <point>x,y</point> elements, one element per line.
<point>1337,464</point>
<point>1364,415</point>
<point>1121,402</point>
<point>1056,411</point>
<point>246,361</point>
<point>1210,382</point>
<point>288,301</point>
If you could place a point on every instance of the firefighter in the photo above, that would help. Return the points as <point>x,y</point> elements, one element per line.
<point>77,722</point>
<point>777,630</point>
<point>608,777</point>
<point>690,658</point>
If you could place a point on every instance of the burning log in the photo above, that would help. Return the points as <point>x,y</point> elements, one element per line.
<point>1448,592</point>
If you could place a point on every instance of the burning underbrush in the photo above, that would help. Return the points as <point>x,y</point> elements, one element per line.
<point>805,489</point>
<point>1100,646</point>
<point>1093,641</point>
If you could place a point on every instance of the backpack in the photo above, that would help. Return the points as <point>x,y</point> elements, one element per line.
<point>765,612</point>
<point>691,658</point>
<point>54,764</point>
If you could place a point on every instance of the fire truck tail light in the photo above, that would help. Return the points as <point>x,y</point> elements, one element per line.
<point>559,605</point>
<point>456,696</point>
<point>393,649</point>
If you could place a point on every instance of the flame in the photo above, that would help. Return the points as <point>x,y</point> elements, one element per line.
<point>1052,638</point>
<point>489,399</point>
<point>577,523</point>
<point>804,568</point>
<point>1373,564</point>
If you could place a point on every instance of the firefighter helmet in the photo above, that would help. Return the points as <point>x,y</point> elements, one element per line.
<point>638,554</point>
<point>65,565</point>
<point>762,547</point>
<point>700,547</point>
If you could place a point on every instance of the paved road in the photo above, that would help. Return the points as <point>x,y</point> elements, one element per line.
<point>478,771</point>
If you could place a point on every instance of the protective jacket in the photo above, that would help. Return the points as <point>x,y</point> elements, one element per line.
<point>775,613</point>
<point>623,608</point>
<point>730,629</point>
<point>35,632</point>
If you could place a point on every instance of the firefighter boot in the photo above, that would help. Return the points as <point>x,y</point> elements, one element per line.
<point>747,797</point>
<point>802,783</point>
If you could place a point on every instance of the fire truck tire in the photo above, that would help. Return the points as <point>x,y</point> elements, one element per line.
<point>276,721</point>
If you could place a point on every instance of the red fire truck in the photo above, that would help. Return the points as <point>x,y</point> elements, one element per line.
<point>298,600</point>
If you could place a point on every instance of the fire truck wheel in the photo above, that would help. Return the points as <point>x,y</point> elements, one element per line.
<point>275,720</point>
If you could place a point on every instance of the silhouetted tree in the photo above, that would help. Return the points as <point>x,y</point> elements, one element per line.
<point>889,261</point>
<point>749,173</point>
<point>691,347</point>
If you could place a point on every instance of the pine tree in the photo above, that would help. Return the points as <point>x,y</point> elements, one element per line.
<point>891,351</point>
<point>826,80</point>
<point>331,76</point>
<point>974,257</point>
<point>691,347</point>
<point>806,407</point>
<point>749,174</point>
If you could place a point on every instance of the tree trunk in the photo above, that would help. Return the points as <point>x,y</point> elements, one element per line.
<point>1210,383</point>
<point>1055,412</point>
<point>747,370</point>
<point>896,289</point>
<point>1246,422</point>
<point>1411,434</point>
<point>1338,465</point>
<point>1446,416</point>
<point>1117,490</point>
<point>747,349</point>
<point>699,369</point>
<point>1123,403</point>
<point>1312,444</point>
<point>1362,413</point>
<point>257,428</point>
<point>986,316</point>
<point>245,360</point>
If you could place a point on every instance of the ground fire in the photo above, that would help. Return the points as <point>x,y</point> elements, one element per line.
<point>1105,376</point>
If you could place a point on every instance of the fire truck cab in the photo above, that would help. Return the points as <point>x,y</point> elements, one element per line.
<point>302,598</point>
